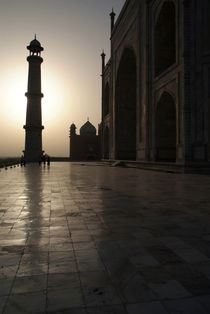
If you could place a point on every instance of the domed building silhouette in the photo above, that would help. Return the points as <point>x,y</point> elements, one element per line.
<point>85,146</point>
<point>87,129</point>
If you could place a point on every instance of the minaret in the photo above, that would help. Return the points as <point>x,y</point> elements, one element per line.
<point>102,103</point>
<point>103,62</point>
<point>112,16</point>
<point>33,128</point>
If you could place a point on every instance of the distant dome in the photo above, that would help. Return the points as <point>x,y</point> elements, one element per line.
<point>88,129</point>
<point>72,129</point>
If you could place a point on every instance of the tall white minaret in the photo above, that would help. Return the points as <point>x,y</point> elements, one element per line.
<point>33,128</point>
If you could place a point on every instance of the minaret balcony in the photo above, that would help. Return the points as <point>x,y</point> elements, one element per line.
<point>35,59</point>
<point>34,94</point>
<point>33,127</point>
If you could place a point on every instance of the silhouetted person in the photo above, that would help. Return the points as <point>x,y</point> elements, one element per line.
<point>48,160</point>
<point>21,160</point>
<point>44,159</point>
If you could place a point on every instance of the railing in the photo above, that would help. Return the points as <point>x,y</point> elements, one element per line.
<point>9,162</point>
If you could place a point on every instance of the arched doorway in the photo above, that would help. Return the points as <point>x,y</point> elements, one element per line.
<point>106,143</point>
<point>166,129</point>
<point>125,102</point>
<point>165,37</point>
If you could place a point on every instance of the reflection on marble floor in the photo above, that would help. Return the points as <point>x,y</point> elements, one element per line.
<point>93,239</point>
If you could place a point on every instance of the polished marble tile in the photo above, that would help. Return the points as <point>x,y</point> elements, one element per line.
<point>103,240</point>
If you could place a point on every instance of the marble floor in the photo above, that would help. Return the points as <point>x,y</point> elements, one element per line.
<point>87,238</point>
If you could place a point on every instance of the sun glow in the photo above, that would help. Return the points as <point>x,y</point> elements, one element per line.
<point>63,103</point>
<point>13,89</point>
<point>54,97</point>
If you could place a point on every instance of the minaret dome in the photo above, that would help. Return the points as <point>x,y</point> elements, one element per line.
<point>35,47</point>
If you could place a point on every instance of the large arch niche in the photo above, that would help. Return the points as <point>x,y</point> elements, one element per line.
<point>165,38</point>
<point>166,129</point>
<point>125,102</point>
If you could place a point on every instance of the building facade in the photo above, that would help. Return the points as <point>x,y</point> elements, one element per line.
<point>85,146</point>
<point>156,85</point>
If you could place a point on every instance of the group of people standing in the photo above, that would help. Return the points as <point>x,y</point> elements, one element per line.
<point>45,159</point>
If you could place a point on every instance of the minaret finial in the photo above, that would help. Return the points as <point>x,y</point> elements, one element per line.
<point>35,36</point>
<point>88,118</point>
<point>112,15</point>
<point>103,54</point>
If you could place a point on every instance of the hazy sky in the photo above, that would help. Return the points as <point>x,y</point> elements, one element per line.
<point>73,34</point>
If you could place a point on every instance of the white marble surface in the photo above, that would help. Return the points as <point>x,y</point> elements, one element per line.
<point>86,238</point>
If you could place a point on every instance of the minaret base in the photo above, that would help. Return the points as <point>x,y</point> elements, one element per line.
<point>33,143</point>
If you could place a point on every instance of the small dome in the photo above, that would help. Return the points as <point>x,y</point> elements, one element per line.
<point>72,129</point>
<point>35,46</point>
<point>88,129</point>
<point>35,42</point>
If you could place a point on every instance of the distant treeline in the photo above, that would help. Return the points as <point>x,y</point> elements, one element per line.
<point>9,161</point>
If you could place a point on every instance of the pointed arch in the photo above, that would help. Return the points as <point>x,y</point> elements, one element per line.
<point>125,106</point>
<point>165,130</point>
<point>165,37</point>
